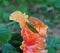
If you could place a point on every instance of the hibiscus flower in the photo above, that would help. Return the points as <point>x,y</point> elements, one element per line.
<point>33,41</point>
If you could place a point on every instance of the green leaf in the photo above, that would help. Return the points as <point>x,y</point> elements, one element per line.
<point>14,8</point>
<point>25,9</point>
<point>57,5</point>
<point>51,50</point>
<point>51,42</point>
<point>57,46</point>
<point>51,24</point>
<point>31,27</point>
<point>8,48</point>
<point>5,35</point>
<point>5,2</point>
<point>6,16</point>
<point>57,18</point>
<point>16,39</point>
<point>1,18</point>
<point>13,52</point>
<point>51,1</point>
<point>1,14</point>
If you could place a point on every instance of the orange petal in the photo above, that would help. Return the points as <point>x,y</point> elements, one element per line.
<point>39,25</point>
<point>18,17</point>
<point>29,37</point>
<point>41,43</point>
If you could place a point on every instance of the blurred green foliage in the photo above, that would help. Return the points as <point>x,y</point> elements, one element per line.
<point>46,10</point>
<point>53,44</point>
<point>5,35</point>
<point>8,48</point>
